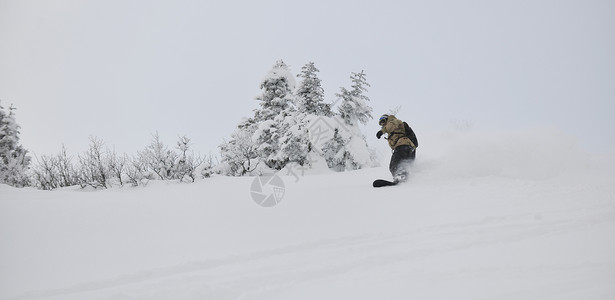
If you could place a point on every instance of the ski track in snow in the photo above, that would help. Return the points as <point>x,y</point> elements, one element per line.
<point>265,272</point>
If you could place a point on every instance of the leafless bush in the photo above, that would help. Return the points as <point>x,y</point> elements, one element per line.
<point>136,171</point>
<point>240,154</point>
<point>158,158</point>
<point>187,163</point>
<point>100,168</point>
<point>116,165</point>
<point>92,169</point>
<point>208,168</point>
<point>45,173</point>
<point>54,171</point>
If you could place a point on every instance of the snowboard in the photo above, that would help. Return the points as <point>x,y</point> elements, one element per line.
<point>381,183</point>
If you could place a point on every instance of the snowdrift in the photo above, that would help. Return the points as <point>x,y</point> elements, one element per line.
<point>512,215</point>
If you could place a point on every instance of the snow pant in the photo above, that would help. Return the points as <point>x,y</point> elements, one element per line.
<point>401,159</point>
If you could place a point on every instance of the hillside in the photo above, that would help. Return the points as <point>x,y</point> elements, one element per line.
<point>507,215</point>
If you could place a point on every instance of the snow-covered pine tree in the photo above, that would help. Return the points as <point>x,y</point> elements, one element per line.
<point>354,105</point>
<point>310,94</point>
<point>14,161</point>
<point>270,120</point>
<point>280,128</point>
<point>348,149</point>
<point>336,154</point>
<point>278,87</point>
<point>295,144</point>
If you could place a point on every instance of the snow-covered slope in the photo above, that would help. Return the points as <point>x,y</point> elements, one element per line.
<point>520,215</point>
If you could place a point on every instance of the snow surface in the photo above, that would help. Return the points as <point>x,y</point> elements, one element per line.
<point>512,215</point>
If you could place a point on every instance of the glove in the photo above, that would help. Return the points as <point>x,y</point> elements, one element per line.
<point>379,134</point>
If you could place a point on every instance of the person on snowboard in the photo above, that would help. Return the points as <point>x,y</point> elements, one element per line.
<point>404,149</point>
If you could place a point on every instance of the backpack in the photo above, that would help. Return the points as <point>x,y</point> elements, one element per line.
<point>410,134</point>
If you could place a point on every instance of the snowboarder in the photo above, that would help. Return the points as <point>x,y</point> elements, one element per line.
<point>402,140</point>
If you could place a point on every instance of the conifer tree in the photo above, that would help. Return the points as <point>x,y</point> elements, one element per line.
<point>354,107</point>
<point>277,95</point>
<point>271,120</point>
<point>295,144</point>
<point>310,94</point>
<point>337,155</point>
<point>279,132</point>
<point>14,161</point>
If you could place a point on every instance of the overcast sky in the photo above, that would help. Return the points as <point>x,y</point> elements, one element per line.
<point>122,70</point>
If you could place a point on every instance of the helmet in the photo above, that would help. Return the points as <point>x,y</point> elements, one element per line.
<point>383,119</point>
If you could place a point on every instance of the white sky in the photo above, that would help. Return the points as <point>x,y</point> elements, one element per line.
<point>121,70</point>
